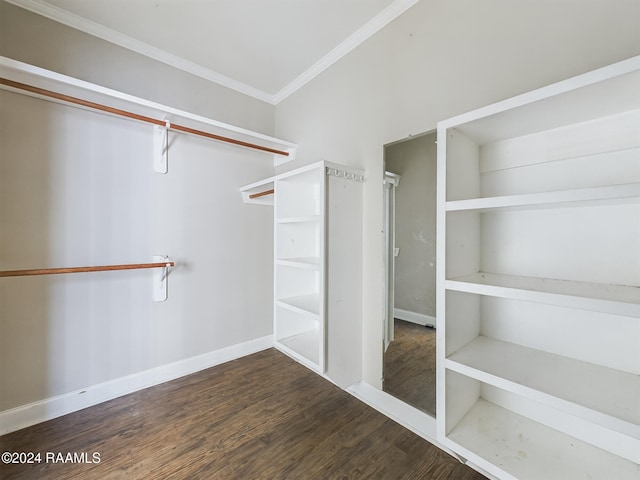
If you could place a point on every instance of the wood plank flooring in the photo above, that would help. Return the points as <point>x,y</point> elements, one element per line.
<point>410,366</point>
<point>260,417</point>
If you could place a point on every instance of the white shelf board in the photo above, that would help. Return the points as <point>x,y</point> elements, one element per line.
<point>312,263</point>
<point>606,91</point>
<point>605,396</point>
<point>264,184</point>
<point>500,441</point>
<point>302,219</point>
<point>281,176</point>
<point>615,299</point>
<point>63,84</point>
<point>306,304</point>
<point>304,346</point>
<point>257,187</point>
<point>268,183</point>
<point>576,197</point>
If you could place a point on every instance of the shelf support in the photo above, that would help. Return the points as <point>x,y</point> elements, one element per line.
<point>161,147</point>
<point>160,278</point>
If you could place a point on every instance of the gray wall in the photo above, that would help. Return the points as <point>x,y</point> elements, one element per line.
<point>439,59</point>
<point>415,267</point>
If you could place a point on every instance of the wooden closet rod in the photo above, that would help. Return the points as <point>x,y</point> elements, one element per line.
<point>103,268</point>
<point>135,116</point>
<point>262,194</point>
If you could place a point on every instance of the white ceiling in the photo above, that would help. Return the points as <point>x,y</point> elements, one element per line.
<point>263,48</point>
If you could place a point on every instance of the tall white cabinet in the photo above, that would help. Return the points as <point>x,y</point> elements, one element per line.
<point>317,265</point>
<point>539,281</point>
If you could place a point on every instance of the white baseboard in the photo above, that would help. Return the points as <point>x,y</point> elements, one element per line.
<point>413,317</point>
<point>49,408</point>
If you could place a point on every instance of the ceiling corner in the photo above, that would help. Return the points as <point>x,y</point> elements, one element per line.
<point>82,24</point>
<point>386,16</point>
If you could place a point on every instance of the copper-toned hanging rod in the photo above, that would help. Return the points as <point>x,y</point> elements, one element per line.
<point>135,116</point>
<point>103,268</point>
<point>262,194</point>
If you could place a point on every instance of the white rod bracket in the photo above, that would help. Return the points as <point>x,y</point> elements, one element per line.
<point>160,279</point>
<point>161,148</point>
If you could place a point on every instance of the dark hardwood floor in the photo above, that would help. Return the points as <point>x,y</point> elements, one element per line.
<point>260,417</point>
<point>410,366</point>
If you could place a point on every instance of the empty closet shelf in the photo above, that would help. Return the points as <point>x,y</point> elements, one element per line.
<point>301,262</point>
<point>608,397</point>
<point>580,196</point>
<point>305,304</point>
<point>305,344</point>
<point>608,298</point>
<point>526,449</point>
<point>301,219</point>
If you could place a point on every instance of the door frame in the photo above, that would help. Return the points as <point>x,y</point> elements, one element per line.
<point>391,182</point>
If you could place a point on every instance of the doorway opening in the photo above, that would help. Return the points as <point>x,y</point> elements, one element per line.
<point>409,368</point>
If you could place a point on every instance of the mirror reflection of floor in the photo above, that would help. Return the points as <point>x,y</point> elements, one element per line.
<point>410,366</point>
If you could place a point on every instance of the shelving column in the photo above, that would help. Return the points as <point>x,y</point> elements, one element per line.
<point>299,265</point>
<point>318,267</point>
<point>539,281</point>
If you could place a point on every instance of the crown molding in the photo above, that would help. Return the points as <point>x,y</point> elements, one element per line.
<point>393,11</point>
<point>41,7</point>
<point>72,20</point>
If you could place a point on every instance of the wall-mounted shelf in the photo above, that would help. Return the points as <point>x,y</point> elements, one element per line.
<point>38,82</point>
<point>250,191</point>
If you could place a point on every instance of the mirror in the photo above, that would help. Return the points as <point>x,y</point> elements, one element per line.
<point>409,368</point>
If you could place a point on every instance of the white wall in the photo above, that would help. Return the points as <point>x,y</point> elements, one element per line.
<point>78,188</point>
<point>439,59</point>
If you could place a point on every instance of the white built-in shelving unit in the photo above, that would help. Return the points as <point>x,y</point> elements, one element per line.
<point>299,254</point>
<point>539,281</point>
<point>316,275</point>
